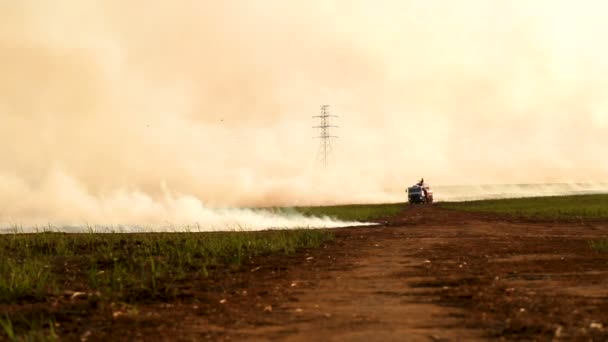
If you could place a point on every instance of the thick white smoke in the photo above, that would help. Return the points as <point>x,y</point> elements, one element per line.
<point>107,107</point>
<point>60,198</point>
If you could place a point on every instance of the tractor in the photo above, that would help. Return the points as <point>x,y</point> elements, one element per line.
<point>419,194</point>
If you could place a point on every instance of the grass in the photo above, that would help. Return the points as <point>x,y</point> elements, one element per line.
<point>352,212</point>
<point>554,208</point>
<point>23,278</point>
<point>131,266</point>
<point>599,245</point>
<point>21,328</point>
<point>566,208</point>
<point>109,268</point>
<point>123,268</point>
<point>7,326</point>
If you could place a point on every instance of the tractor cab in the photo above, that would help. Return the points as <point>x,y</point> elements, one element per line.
<point>420,194</point>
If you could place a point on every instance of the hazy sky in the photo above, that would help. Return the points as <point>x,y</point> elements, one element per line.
<point>119,104</point>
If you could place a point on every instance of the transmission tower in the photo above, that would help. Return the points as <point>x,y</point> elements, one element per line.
<point>324,127</point>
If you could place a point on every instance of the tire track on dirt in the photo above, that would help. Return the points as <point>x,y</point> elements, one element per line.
<point>367,298</point>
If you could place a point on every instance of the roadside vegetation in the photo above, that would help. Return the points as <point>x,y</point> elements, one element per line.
<point>122,268</point>
<point>579,207</point>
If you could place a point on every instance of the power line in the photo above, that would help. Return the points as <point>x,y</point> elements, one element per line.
<point>325,150</point>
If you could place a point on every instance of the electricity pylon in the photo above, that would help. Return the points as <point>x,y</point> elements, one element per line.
<point>325,150</point>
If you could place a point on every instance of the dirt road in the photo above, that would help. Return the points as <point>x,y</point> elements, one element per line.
<point>427,275</point>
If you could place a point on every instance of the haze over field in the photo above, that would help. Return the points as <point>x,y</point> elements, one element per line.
<point>142,112</point>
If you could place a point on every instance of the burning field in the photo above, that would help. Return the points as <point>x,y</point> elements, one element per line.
<point>166,174</point>
<point>423,272</point>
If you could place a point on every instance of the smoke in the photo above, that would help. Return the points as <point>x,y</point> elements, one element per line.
<point>154,112</point>
<point>61,197</point>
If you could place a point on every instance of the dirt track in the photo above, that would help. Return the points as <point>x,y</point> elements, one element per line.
<point>426,275</point>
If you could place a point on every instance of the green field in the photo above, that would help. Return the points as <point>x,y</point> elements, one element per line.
<point>143,267</point>
<point>128,267</point>
<point>558,208</point>
<point>123,268</point>
<point>131,267</point>
<point>563,208</point>
<point>151,267</point>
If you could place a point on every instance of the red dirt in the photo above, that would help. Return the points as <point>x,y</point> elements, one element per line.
<point>428,274</point>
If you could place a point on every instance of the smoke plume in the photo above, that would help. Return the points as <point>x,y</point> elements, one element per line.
<point>139,112</point>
